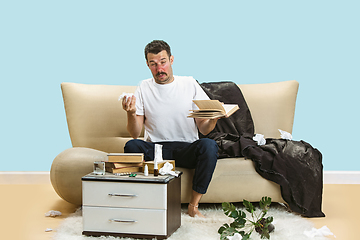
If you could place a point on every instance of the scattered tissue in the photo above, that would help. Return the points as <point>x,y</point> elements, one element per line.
<point>48,230</point>
<point>321,232</point>
<point>285,135</point>
<point>124,94</point>
<point>52,213</point>
<point>259,138</point>
<point>166,169</point>
<point>236,236</point>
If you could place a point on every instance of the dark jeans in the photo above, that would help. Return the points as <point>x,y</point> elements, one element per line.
<point>201,155</point>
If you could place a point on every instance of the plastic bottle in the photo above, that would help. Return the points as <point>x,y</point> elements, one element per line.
<point>146,170</point>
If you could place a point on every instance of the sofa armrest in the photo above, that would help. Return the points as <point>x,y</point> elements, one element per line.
<point>69,167</point>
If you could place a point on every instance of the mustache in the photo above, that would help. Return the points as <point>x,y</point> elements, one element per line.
<point>158,74</point>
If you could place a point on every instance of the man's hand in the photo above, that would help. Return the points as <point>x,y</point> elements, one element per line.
<point>134,122</point>
<point>128,104</point>
<point>205,126</point>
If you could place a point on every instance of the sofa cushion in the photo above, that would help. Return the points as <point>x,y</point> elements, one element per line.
<point>95,116</point>
<point>272,106</point>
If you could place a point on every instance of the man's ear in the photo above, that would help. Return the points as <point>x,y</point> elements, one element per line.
<point>171,59</point>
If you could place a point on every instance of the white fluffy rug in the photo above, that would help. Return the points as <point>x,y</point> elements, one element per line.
<point>287,226</point>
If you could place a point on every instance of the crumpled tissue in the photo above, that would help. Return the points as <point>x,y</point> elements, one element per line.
<point>259,138</point>
<point>167,169</point>
<point>52,213</point>
<point>48,230</point>
<point>236,236</point>
<point>321,232</point>
<point>126,95</point>
<point>285,135</point>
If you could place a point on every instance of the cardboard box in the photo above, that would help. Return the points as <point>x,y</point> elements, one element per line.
<point>160,165</point>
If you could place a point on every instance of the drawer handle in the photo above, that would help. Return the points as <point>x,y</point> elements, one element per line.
<point>122,221</point>
<point>122,195</point>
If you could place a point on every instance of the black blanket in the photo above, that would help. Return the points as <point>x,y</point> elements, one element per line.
<point>295,165</point>
<point>227,131</point>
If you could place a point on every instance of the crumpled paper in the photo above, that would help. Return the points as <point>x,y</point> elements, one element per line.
<point>52,213</point>
<point>126,95</point>
<point>236,236</point>
<point>285,135</point>
<point>259,138</point>
<point>167,169</point>
<point>321,232</point>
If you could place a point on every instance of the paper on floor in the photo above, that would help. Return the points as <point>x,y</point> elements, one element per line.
<point>321,232</point>
<point>52,213</point>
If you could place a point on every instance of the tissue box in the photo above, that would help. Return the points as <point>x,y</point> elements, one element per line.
<point>160,165</point>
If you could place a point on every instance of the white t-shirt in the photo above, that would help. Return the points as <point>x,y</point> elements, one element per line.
<point>166,107</point>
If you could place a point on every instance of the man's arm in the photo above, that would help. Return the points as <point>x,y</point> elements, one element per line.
<point>205,126</point>
<point>134,122</point>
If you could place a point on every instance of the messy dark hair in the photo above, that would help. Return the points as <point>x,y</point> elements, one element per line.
<point>157,46</point>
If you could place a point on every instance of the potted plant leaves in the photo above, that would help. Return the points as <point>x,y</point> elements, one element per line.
<point>241,223</point>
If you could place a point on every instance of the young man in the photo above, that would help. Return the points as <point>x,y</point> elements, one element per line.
<point>162,104</point>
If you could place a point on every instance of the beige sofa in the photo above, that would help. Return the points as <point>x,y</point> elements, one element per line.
<point>97,126</point>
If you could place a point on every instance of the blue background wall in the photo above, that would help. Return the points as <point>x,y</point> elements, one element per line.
<point>44,43</point>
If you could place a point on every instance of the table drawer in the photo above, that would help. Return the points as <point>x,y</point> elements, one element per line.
<point>125,194</point>
<point>124,220</point>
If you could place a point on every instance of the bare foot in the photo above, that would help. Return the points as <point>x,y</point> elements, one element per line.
<point>193,211</point>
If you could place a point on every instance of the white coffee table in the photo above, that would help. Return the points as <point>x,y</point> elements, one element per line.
<point>138,207</point>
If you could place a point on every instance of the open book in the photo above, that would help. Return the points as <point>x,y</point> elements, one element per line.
<point>212,109</point>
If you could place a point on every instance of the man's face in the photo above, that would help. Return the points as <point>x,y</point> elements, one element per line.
<point>160,66</point>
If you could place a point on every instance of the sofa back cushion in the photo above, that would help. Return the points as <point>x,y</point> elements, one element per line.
<point>272,106</point>
<point>96,119</point>
<point>95,116</point>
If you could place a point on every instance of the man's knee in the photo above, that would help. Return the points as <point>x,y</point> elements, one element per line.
<point>133,146</point>
<point>208,145</point>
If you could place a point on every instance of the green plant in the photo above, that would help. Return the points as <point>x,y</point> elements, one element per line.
<point>258,221</point>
